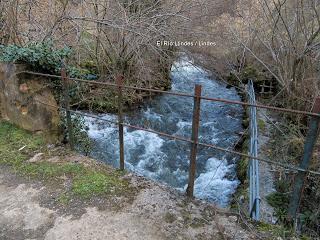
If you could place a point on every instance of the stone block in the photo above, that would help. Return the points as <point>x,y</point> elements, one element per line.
<point>27,101</point>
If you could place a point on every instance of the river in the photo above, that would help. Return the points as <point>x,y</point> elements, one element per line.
<point>166,160</point>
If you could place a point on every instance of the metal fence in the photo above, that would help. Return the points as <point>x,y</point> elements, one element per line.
<point>254,186</point>
<point>118,85</point>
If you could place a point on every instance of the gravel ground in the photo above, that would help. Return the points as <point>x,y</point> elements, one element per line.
<point>29,209</point>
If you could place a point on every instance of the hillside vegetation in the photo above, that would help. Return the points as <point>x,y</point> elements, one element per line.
<point>271,42</point>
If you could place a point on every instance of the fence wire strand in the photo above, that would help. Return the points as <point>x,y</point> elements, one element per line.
<point>286,166</point>
<point>179,94</point>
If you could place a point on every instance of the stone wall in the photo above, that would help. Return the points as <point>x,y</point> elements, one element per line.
<point>27,101</point>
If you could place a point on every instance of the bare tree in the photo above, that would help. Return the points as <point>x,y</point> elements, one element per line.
<point>284,39</point>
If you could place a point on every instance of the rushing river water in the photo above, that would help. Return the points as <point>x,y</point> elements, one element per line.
<point>167,160</point>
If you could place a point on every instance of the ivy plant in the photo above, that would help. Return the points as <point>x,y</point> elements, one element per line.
<point>41,56</point>
<point>44,57</point>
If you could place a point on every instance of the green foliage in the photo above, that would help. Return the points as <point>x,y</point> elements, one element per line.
<point>82,140</point>
<point>242,166</point>
<point>95,183</point>
<point>87,180</point>
<point>84,73</point>
<point>90,66</point>
<point>288,148</point>
<point>107,103</point>
<point>282,186</point>
<point>276,231</point>
<point>261,125</point>
<point>41,56</point>
<point>46,170</point>
<point>64,198</point>
<point>45,57</point>
<point>249,72</point>
<point>280,200</point>
<point>18,136</point>
<point>11,140</point>
<point>242,169</point>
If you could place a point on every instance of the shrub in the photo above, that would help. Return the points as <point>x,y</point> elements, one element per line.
<point>81,138</point>
<point>40,56</point>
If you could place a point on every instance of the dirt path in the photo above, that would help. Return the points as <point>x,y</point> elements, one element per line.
<point>29,210</point>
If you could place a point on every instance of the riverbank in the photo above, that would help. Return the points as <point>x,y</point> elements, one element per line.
<point>166,160</point>
<point>266,181</point>
<point>48,192</point>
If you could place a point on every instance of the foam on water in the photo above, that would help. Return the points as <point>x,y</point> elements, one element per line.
<point>150,161</point>
<point>214,185</point>
<point>186,67</point>
<point>167,160</point>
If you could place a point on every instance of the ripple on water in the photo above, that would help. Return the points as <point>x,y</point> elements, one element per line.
<point>166,160</point>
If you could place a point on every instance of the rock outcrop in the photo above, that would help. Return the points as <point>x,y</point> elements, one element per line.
<point>27,101</point>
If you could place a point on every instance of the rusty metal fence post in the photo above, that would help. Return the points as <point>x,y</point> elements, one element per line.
<point>194,138</point>
<point>119,81</point>
<point>311,140</point>
<point>65,85</point>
